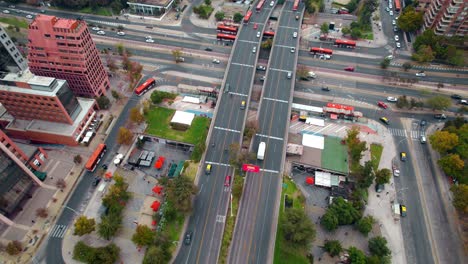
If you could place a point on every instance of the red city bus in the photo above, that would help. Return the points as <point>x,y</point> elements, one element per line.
<point>295,5</point>
<point>260,5</point>
<point>145,86</point>
<point>345,43</point>
<point>225,29</point>
<point>247,16</point>
<point>226,37</point>
<point>315,50</point>
<point>269,34</point>
<point>96,157</point>
<point>397,5</point>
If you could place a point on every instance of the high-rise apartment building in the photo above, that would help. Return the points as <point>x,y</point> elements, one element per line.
<point>19,170</point>
<point>10,57</point>
<point>44,109</point>
<point>63,49</point>
<point>445,17</point>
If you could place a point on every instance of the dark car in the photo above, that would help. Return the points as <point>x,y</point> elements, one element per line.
<point>423,123</point>
<point>96,181</point>
<point>440,116</point>
<point>188,238</point>
<point>104,166</point>
<point>456,96</point>
<point>350,69</point>
<point>208,49</point>
<point>325,89</point>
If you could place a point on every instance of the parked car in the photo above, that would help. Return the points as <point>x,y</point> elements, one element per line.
<point>272,3</point>
<point>382,104</point>
<point>95,28</point>
<point>350,69</point>
<point>395,29</point>
<point>29,16</point>
<point>96,181</point>
<point>397,38</point>
<point>396,173</point>
<point>294,34</point>
<point>440,116</point>
<point>463,102</point>
<point>149,40</point>
<point>391,12</point>
<point>398,45</point>
<point>393,22</point>
<point>392,99</point>
<point>262,78</point>
<point>100,32</point>
<point>403,210</point>
<point>326,89</point>
<point>216,61</point>
<point>121,33</point>
<point>208,49</point>
<point>456,96</point>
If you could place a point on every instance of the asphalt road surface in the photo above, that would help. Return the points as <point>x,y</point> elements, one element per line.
<point>256,224</point>
<point>211,203</point>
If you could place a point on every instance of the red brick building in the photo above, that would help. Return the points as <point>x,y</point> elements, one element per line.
<point>63,49</point>
<point>44,109</point>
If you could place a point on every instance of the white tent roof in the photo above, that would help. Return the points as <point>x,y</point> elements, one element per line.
<point>182,117</point>
<point>315,121</point>
<point>191,99</point>
<point>313,141</point>
<point>323,178</point>
<point>307,108</point>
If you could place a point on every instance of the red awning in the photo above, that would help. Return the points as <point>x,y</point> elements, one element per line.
<point>108,175</point>
<point>310,180</point>
<point>157,189</point>
<point>155,205</point>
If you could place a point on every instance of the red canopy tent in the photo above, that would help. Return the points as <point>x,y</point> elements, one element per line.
<point>157,189</point>
<point>159,163</point>
<point>155,205</point>
<point>310,180</point>
<point>153,223</point>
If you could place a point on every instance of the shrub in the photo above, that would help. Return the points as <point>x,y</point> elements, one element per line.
<point>14,247</point>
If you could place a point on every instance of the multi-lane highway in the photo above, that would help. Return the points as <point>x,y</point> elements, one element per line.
<point>255,229</point>
<point>211,203</point>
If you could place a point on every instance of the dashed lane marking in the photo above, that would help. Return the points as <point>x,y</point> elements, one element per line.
<point>276,100</point>
<point>241,64</point>
<point>266,136</point>
<point>227,129</point>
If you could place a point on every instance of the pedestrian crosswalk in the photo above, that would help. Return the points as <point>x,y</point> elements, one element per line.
<point>58,231</point>
<point>413,134</point>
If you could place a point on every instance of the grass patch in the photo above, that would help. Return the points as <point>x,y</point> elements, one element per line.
<point>376,154</point>
<point>101,11</point>
<point>191,170</point>
<point>284,254</point>
<point>21,23</point>
<point>159,118</point>
<point>174,228</point>
<point>230,221</point>
<point>368,35</point>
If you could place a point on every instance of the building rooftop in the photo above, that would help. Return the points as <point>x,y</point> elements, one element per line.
<point>52,127</point>
<point>36,84</point>
<point>29,150</point>
<point>162,3</point>
<point>57,22</point>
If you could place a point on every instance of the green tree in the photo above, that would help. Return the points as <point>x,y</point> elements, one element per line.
<point>345,211</point>
<point>443,141</point>
<point>136,115</point>
<point>84,225</point>
<point>109,226</point>
<point>298,229</point>
<point>124,136</point>
<point>424,54</point>
<point>365,176</point>
<point>207,2</point>
<point>333,247</point>
<point>364,225</point>
<point>439,102</point>
<point>452,165</point>
<point>158,96</point>
<point>410,20</point>
<point>267,44</point>
<point>346,30</point>
<point>458,59</point>
<point>383,176</point>
<point>143,236</point>
<point>460,197</point>
<point>103,102</point>
<point>356,33</point>
<point>77,159</point>
<point>406,66</point>
<point>324,28</point>
<point>120,49</point>
<point>329,221</point>
<point>356,256</point>
<point>116,95</point>
<point>238,17</point>
<point>385,63</point>
<point>154,255</point>
<point>219,15</point>
<point>14,247</point>
<point>402,102</point>
<point>180,191</point>
<point>378,246</point>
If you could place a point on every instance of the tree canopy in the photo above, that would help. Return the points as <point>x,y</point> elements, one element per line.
<point>410,20</point>
<point>443,141</point>
<point>460,197</point>
<point>378,246</point>
<point>364,225</point>
<point>143,236</point>
<point>125,136</point>
<point>333,247</point>
<point>298,229</point>
<point>84,225</point>
<point>438,102</point>
<point>356,256</point>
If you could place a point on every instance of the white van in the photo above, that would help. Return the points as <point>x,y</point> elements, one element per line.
<point>422,139</point>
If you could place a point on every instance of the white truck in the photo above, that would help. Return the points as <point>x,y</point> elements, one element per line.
<point>261,150</point>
